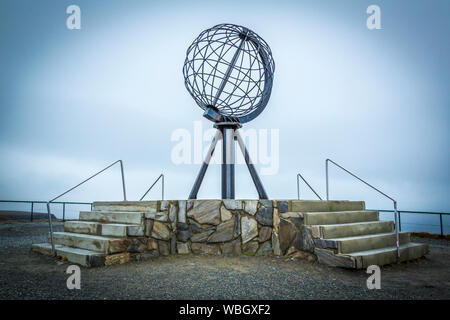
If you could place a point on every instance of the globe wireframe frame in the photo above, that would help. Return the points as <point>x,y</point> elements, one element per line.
<point>230,68</point>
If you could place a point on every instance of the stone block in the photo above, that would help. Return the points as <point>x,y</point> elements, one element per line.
<point>237,225</point>
<point>203,248</point>
<point>158,216</point>
<point>119,258</point>
<point>287,234</point>
<point>224,232</point>
<point>206,212</point>
<point>164,249</point>
<point>173,244</point>
<point>265,233</point>
<point>276,220</point>
<point>152,244</point>
<point>265,249</point>
<point>266,203</point>
<point>276,244</point>
<point>173,212</point>
<point>135,231</point>
<point>183,248</point>
<point>265,216</point>
<point>202,236</point>
<point>232,204</point>
<point>283,206</point>
<point>148,227</point>
<point>160,231</point>
<point>251,206</point>
<point>232,248</point>
<point>250,248</point>
<point>183,232</point>
<point>249,229</point>
<point>182,211</point>
<point>196,227</point>
<point>164,205</point>
<point>136,246</point>
<point>225,214</point>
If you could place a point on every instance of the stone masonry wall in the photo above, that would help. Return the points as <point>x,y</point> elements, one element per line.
<point>224,227</point>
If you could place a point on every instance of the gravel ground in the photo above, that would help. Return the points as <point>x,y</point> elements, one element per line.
<point>27,275</point>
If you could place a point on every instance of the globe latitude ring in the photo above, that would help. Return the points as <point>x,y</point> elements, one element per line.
<point>229,72</point>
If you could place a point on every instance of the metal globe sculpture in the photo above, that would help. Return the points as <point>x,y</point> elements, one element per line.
<point>229,72</point>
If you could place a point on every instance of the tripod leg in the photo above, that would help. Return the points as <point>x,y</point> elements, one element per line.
<point>201,174</point>
<point>228,158</point>
<point>251,168</point>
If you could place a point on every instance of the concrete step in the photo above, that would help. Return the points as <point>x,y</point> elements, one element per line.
<point>87,227</point>
<point>121,230</point>
<point>322,206</point>
<point>363,243</point>
<point>380,257</point>
<point>95,243</point>
<point>82,257</point>
<point>339,217</point>
<point>127,206</point>
<point>352,229</point>
<point>113,217</point>
<point>104,229</point>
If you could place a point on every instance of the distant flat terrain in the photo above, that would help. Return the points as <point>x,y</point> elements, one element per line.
<point>22,215</point>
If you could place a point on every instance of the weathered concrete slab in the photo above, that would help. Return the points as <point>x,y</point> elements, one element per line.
<point>90,242</point>
<point>87,227</point>
<point>114,230</point>
<point>328,257</point>
<point>339,217</point>
<point>113,217</point>
<point>127,206</point>
<point>369,242</point>
<point>322,206</point>
<point>355,229</point>
<point>82,257</point>
<point>383,256</point>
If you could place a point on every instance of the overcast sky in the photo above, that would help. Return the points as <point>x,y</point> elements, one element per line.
<point>376,101</point>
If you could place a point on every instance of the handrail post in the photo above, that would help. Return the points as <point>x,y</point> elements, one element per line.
<point>123,181</point>
<point>397,227</point>
<point>326,177</point>
<point>309,186</point>
<point>399,221</point>
<point>32,211</point>
<point>94,175</point>
<point>64,212</point>
<point>442,227</point>
<point>51,229</point>
<point>161,176</point>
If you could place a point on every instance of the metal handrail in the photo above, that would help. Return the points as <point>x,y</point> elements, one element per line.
<point>48,203</point>
<point>379,191</point>
<point>298,186</point>
<point>441,225</point>
<point>37,201</point>
<point>162,188</point>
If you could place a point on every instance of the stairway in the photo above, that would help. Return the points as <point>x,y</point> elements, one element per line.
<point>339,233</point>
<point>98,238</point>
<point>358,239</point>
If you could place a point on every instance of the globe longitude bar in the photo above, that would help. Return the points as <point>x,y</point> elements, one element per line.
<point>227,75</point>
